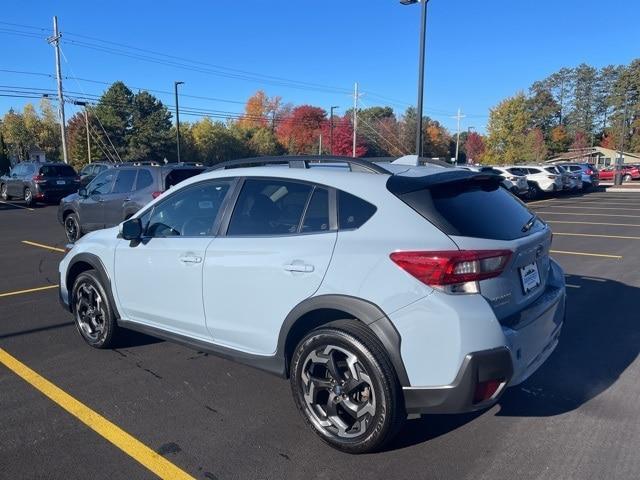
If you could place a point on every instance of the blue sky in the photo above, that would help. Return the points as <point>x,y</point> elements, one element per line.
<point>477,52</point>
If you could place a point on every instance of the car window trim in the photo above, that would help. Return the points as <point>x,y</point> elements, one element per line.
<point>216,223</point>
<point>224,227</point>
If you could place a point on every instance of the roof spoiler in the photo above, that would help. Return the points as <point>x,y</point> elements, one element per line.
<point>415,161</point>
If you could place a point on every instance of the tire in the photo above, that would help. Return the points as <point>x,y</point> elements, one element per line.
<point>72,227</point>
<point>92,311</point>
<point>357,408</point>
<point>627,178</point>
<point>3,192</point>
<point>534,191</point>
<point>28,197</point>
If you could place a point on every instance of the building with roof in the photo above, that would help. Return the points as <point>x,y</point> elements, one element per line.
<point>599,156</point>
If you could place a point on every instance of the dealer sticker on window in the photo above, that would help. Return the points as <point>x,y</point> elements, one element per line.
<point>530,277</point>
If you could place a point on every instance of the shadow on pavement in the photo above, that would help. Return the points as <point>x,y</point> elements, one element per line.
<point>600,339</point>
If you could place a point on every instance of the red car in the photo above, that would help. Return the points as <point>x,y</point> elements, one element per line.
<point>629,172</point>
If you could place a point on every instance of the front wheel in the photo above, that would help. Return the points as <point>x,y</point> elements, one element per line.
<point>28,197</point>
<point>92,311</point>
<point>345,386</point>
<point>4,192</point>
<point>627,178</point>
<point>72,227</point>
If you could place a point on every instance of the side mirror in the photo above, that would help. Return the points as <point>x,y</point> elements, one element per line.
<point>132,229</point>
<point>83,192</point>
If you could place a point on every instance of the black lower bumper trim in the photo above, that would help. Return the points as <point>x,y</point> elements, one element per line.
<point>457,397</point>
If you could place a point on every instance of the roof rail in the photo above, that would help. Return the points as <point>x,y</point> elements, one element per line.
<point>304,161</point>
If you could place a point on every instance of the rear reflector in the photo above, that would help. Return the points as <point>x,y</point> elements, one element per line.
<point>452,266</point>
<point>486,390</point>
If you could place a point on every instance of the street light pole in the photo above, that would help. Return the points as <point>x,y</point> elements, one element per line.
<point>423,32</point>
<point>175,87</point>
<point>331,129</point>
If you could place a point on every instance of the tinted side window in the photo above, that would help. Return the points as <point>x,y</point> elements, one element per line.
<point>145,179</point>
<point>269,207</point>
<point>102,183</point>
<point>316,218</point>
<point>190,212</point>
<point>124,181</point>
<point>353,212</point>
<point>534,170</point>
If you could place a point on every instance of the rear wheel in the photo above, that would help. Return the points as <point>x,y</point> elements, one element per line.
<point>72,227</point>
<point>93,314</point>
<point>3,192</point>
<point>28,197</point>
<point>344,385</point>
<point>627,178</point>
<point>534,191</point>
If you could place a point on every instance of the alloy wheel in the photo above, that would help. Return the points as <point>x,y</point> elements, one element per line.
<point>28,196</point>
<point>71,228</point>
<point>3,193</point>
<point>90,312</point>
<point>338,392</point>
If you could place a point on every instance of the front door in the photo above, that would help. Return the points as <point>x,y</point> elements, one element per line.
<point>91,209</point>
<point>159,280</point>
<point>275,253</point>
<point>113,204</point>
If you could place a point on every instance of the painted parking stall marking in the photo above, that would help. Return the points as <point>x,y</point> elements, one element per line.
<point>28,290</point>
<point>587,254</point>
<point>41,245</point>
<point>111,432</point>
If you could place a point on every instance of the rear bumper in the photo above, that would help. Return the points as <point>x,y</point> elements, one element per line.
<point>458,397</point>
<point>50,193</point>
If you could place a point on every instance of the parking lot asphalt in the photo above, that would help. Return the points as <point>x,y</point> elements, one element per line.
<point>206,417</point>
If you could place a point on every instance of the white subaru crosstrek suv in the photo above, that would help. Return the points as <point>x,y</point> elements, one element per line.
<point>378,290</point>
<point>541,181</point>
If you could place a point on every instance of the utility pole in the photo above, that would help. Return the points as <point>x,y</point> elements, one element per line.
<point>55,41</point>
<point>331,129</point>
<point>320,145</point>
<point>86,123</point>
<point>175,87</point>
<point>355,117</point>
<point>459,116</point>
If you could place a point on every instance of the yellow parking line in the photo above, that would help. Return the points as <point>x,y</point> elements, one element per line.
<point>596,223</point>
<point>593,202</point>
<point>564,252</point>
<point>155,462</point>
<point>29,290</point>
<point>593,208</point>
<point>539,201</point>
<point>592,214</point>
<point>47,247</point>
<point>595,235</point>
<point>14,205</point>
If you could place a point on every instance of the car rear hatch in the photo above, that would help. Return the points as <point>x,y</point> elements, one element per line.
<point>479,215</point>
<point>57,179</point>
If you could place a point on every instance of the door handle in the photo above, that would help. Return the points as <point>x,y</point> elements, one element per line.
<point>299,267</point>
<point>190,259</point>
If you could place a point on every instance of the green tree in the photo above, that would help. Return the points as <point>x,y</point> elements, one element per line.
<point>115,111</point>
<point>581,118</point>
<point>407,128</point>
<point>16,135</point>
<point>49,135</point>
<point>215,143</point>
<point>507,129</point>
<point>543,108</point>
<point>535,147</point>
<point>149,137</point>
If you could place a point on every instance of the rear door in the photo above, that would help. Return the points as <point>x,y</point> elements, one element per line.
<point>276,250</point>
<point>14,183</point>
<point>90,207</point>
<point>115,201</point>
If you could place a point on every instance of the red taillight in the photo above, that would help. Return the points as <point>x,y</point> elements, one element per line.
<point>486,390</point>
<point>453,266</point>
<point>38,179</point>
<point>156,194</point>
<point>589,172</point>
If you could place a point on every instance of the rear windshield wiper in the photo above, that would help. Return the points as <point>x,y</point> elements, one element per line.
<point>527,226</point>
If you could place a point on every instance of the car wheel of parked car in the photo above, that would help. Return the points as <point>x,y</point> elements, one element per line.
<point>3,192</point>
<point>72,227</point>
<point>627,178</point>
<point>534,191</point>
<point>93,314</point>
<point>28,197</point>
<point>346,388</point>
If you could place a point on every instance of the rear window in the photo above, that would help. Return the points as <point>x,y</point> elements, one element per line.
<point>480,209</point>
<point>177,175</point>
<point>57,171</point>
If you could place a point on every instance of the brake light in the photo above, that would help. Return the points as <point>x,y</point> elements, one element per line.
<point>156,194</point>
<point>589,171</point>
<point>453,271</point>
<point>486,390</point>
<point>38,179</point>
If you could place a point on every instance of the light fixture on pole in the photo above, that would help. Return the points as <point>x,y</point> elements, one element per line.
<point>175,87</point>
<point>423,32</point>
<point>331,128</point>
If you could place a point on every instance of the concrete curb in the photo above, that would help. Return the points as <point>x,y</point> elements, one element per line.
<point>618,190</point>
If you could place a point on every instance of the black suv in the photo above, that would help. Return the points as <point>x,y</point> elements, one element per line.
<point>39,182</point>
<point>116,194</point>
<point>91,171</point>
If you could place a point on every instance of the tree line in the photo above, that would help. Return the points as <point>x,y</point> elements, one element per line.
<point>572,108</point>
